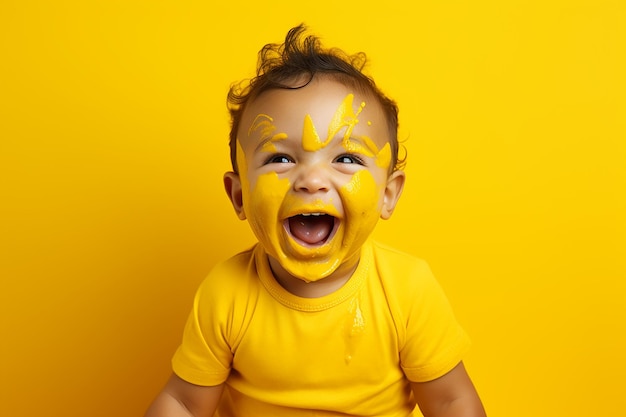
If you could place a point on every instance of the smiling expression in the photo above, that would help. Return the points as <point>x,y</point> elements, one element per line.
<point>313,199</point>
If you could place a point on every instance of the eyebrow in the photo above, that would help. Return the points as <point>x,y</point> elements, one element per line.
<point>361,143</point>
<point>270,140</point>
<point>265,123</point>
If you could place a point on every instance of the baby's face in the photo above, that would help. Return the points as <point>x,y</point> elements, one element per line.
<point>314,175</point>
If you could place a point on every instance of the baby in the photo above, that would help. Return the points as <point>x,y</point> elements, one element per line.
<point>317,319</point>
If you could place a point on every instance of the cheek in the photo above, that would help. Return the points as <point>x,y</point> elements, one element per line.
<point>361,197</point>
<point>262,196</point>
<point>265,199</point>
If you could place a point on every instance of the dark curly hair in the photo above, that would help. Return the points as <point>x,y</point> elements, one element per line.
<point>301,58</point>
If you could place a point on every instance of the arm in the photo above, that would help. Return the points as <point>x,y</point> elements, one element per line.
<point>452,395</point>
<point>179,398</point>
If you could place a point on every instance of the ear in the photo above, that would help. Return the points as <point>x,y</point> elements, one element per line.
<point>232,185</point>
<point>393,190</point>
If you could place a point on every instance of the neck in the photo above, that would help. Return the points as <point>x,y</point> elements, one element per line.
<point>315,289</point>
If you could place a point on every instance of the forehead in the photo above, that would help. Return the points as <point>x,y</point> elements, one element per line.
<point>321,100</point>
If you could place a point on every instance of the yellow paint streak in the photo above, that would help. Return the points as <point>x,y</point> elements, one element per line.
<point>265,124</point>
<point>310,139</point>
<point>362,144</point>
<point>243,167</point>
<point>268,144</point>
<point>383,158</point>
<point>262,201</point>
<point>354,329</point>
<point>359,194</point>
<point>345,117</point>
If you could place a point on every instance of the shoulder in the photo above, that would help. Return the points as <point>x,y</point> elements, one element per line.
<point>430,339</point>
<point>233,277</point>
<point>395,266</point>
<point>407,281</point>
<point>233,269</point>
<point>227,298</point>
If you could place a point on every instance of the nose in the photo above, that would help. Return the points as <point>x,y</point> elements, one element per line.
<point>312,179</point>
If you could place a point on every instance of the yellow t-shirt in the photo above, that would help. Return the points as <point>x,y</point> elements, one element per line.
<point>351,352</point>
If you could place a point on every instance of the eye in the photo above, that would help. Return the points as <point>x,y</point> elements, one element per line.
<point>349,159</point>
<point>279,159</point>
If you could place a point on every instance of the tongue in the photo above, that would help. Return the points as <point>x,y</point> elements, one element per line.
<point>311,229</point>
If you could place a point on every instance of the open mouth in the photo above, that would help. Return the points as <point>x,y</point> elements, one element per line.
<point>311,228</point>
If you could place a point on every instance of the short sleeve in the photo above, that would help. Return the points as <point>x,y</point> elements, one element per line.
<point>214,325</point>
<point>203,357</point>
<point>434,342</point>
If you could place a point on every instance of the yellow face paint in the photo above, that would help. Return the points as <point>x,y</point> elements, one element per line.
<point>270,199</point>
<point>345,117</point>
<point>265,125</point>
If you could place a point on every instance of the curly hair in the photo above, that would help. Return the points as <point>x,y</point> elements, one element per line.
<point>299,58</point>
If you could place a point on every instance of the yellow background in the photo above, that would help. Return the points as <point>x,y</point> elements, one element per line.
<point>113,140</point>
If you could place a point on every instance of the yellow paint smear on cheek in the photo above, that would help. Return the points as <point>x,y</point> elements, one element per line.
<point>262,201</point>
<point>265,201</point>
<point>360,189</point>
<point>360,196</point>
